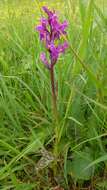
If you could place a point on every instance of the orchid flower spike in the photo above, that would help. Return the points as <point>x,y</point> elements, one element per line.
<point>50,31</point>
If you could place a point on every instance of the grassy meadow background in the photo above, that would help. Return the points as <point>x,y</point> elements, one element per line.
<point>27,129</point>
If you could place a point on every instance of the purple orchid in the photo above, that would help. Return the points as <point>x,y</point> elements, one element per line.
<point>51,30</point>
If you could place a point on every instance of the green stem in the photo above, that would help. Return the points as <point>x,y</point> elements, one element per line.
<point>54,100</point>
<point>55,112</point>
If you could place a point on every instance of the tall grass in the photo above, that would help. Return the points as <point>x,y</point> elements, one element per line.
<point>27,138</point>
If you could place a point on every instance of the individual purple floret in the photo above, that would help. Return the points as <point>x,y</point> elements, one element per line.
<point>51,30</point>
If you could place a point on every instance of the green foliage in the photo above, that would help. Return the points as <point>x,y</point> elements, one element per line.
<point>77,166</point>
<point>30,155</point>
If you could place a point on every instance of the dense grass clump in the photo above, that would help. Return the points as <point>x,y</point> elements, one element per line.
<point>30,156</point>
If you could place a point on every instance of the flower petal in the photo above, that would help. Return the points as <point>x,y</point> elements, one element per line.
<point>47,11</point>
<point>63,47</point>
<point>54,53</point>
<point>44,60</point>
<point>64,25</point>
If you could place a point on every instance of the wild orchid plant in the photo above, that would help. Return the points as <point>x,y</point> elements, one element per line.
<point>51,31</point>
